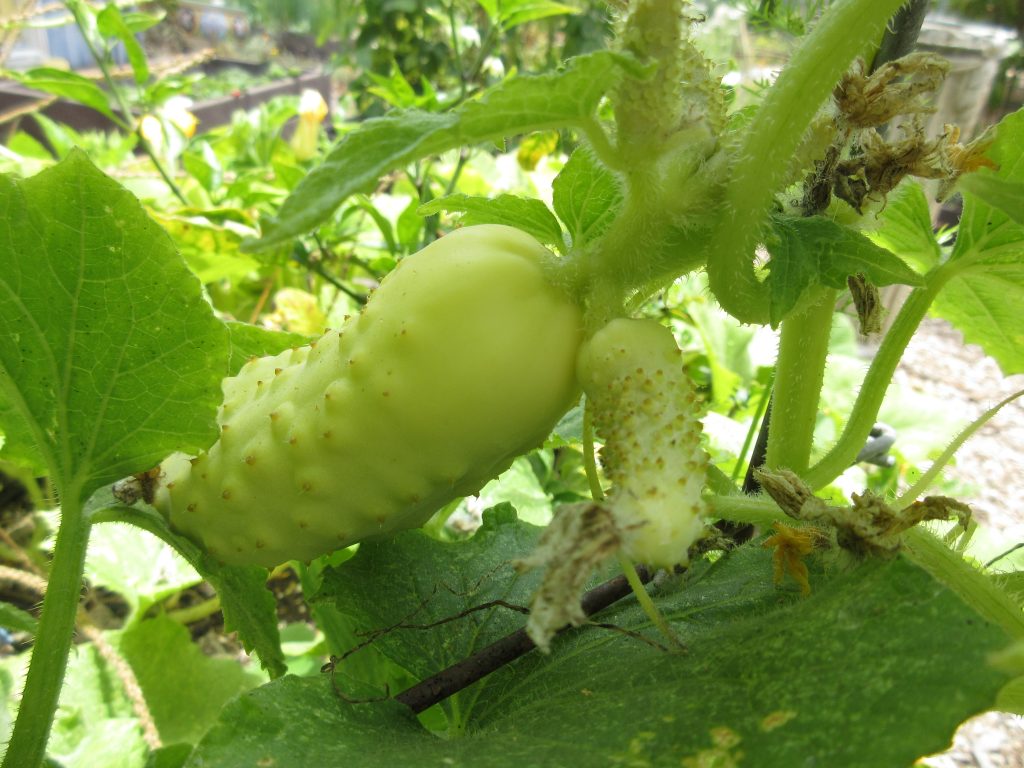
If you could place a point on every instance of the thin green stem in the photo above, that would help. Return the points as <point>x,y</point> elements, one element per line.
<point>799,373</point>
<point>644,599</point>
<point>845,30</point>
<point>926,479</point>
<point>126,110</point>
<point>752,430</point>
<point>27,747</point>
<point>974,586</point>
<point>756,510</point>
<point>876,382</point>
<point>590,454</point>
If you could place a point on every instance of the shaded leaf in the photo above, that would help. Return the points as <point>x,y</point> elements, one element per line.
<point>184,688</point>
<point>1004,195</point>
<point>766,674</point>
<point>17,620</point>
<point>817,251</point>
<point>249,607</point>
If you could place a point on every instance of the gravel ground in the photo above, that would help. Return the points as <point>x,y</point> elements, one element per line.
<point>937,363</point>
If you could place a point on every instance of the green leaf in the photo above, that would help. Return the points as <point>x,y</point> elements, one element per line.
<point>767,675</point>
<point>136,565</point>
<point>985,230</point>
<point>527,214</point>
<point>249,607</point>
<point>210,248</point>
<point>907,227</point>
<point>1005,195</point>
<point>515,12</point>
<point>248,341</point>
<point>983,297</point>
<point>69,85</point>
<point>818,251</point>
<point>378,588</point>
<point>518,105</point>
<point>112,24</point>
<point>110,358</point>
<point>183,687</point>
<point>13,618</point>
<point>586,197</point>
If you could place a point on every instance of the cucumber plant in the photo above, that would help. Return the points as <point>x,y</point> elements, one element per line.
<point>468,354</point>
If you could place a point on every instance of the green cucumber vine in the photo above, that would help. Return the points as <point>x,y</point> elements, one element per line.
<point>467,356</point>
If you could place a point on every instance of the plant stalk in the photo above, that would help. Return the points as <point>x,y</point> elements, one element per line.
<point>799,373</point>
<point>126,110</point>
<point>27,747</point>
<point>876,382</point>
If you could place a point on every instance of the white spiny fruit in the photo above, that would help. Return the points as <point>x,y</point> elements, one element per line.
<point>463,359</point>
<point>644,408</point>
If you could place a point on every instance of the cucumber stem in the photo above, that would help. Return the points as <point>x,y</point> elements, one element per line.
<point>845,30</point>
<point>799,373</point>
<point>876,382</point>
<point>27,747</point>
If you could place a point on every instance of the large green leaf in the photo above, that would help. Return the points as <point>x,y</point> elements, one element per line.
<point>518,105</point>
<point>818,251</point>
<point>907,227</point>
<point>525,213</point>
<point>379,589</point>
<point>110,358</point>
<point>586,197</point>
<point>249,607</point>
<point>183,687</point>
<point>768,676</point>
<point>984,296</point>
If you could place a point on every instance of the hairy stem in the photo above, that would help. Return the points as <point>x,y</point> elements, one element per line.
<point>928,477</point>
<point>845,30</point>
<point>877,380</point>
<point>27,747</point>
<point>125,107</point>
<point>974,586</point>
<point>799,373</point>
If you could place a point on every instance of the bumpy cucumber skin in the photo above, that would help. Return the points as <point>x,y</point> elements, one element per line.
<point>462,360</point>
<point>644,408</point>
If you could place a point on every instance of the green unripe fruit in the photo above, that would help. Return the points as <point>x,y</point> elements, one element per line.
<point>645,410</point>
<point>462,360</point>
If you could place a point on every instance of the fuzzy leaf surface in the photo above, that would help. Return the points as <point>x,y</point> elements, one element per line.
<point>518,105</point>
<point>525,213</point>
<point>984,296</point>
<point>818,251</point>
<point>110,358</point>
<point>379,589</point>
<point>766,674</point>
<point>586,197</point>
